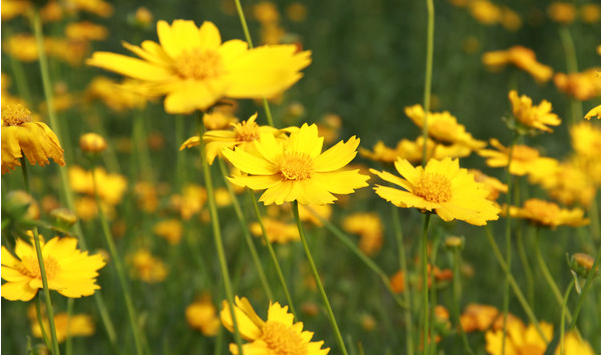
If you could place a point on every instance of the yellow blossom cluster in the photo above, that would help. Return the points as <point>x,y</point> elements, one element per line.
<point>521,57</point>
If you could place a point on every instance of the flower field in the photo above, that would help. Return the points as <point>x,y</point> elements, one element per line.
<point>301,178</point>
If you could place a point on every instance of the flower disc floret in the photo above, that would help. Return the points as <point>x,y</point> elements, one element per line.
<point>434,188</point>
<point>295,166</point>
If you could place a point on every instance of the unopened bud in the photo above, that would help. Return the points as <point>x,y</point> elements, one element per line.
<point>581,263</point>
<point>92,143</point>
<point>64,216</point>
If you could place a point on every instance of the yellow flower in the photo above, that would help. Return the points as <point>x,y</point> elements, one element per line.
<point>370,229</point>
<point>582,86</point>
<point>97,7</point>
<point>114,95</point>
<point>111,187</point>
<point>569,183</point>
<point>92,143</point>
<point>86,31</point>
<point>478,317</point>
<point>510,20</point>
<point>521,57</point>
<point>485,12</point>
<point>278,335</point>
<point>549,214</point>
<point>296,12</point>
<point>147,199</point>
<point>533,116</point>
<point>202,315</point>
<point>525,160</point>
<point>444,127</point>
<point>21,46</point>
<point>492,184</point>
<point>324,211</point>
<point>76,325</point>
<point>297,169</point>
<point>191,201</point>
<point>562,12</point>
<point>21,137</point>
<point>143,16</point>
<point>590,13</point>
<point>266,12</point>
<point>585,139</point>
<point>441,186</point>
<point>195,69</point>
<point>13,8</point>
<point>170,229</point>
<point>595,112</point>
<point>146,267</point>
<point>277,232</point>
<point>412,151</point>
<point>69,271</point>
<point>221,117</point>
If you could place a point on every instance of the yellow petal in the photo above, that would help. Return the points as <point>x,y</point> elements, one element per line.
<point>337,156</point>
<point>130,67</point>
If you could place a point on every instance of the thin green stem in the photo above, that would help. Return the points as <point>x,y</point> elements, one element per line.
<point>141,141</point>
<point>425,289</point>
<point>69,340</point>
<point>547,275</point>
<point>217,235</point>
<point>404,269</point>
<point>331,318</point>
<point>19,74</point>
<point>116,260</point>
<point>268,244</point>
<point>585,289</point>
<point>456,296</point>
<point>433,295</point>
<point>520,243</point>
<point>245,230</point>
<point>517,292</point>
<point>38,305</point>
<point>181,159</point>
<point>38,247</point>
<point>571,66</point>
<point>565,300</point>
<point>428,77</point>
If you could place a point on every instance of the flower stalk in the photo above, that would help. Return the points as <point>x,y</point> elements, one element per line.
<point>425,289</point>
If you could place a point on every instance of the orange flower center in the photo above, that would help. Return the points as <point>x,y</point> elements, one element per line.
<point>246,131</point>
<point>282,339</point>
<point>542,211</point>
<point>295,166</point>
<point>199,65</point>
<point>31,267</point>
<point>15,115</point>
<point>434,188</point>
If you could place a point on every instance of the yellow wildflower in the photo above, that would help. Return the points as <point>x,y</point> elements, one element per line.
<point>146,267</point>
<point>202,315</point>
<point>195,69</point>
<point>296,12</point>
<point>170,229</point>
<point>478,317</point>
<point>148,200</point>
<point>548,214</point>
<point>510,19</point>
<point>595,112</point>
<point>525,160</point>
<point>297,169</point>
<point>397,282</point>
<point>590,13</point>
<point>111,187</point>
<point>14,8</point>
<point>585,139</point>
<point>116,96</point>
<point>86,31</point>
<point>308,213</point>
<point>521,57</point>
<point>485,12</point>
<point>221,117</point>
<point>21,137</point>
<point>492,184</point>
<point>370,229</point>
<point>277,335</point>
<point>441,187</point>
<point>266,12</point>
<point>69,271</point>
<point>97,7</point>
<point>562,12</point>
<point>569,183</point>
<point>92,143</point>
<point>21,46</point>
<point>582,86</point>
<point>143,16</point>
<point>533,116</point>
<point>191,201</point>
<point>277,232</point>
<point>412,151</point>
<point>76,325</point>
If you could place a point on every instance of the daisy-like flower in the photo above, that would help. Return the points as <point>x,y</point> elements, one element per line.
<point>412,151</point>
<point>582,86</point>
<point>111,187</point>
<point>533,116</point>
<point>276,231</point>
<point>549,214</point>
<point>523,58</point>
<point>525,160</point>
<point>21,136</point>
<point>297,169</point>
<point>369,227</point>
<point>277,335</point>
<point>69,271</point>
<point>76,325</point>
<point>443,127</point>
<point>202,315</point>
<point>443,187</point>
<point>194,68</point>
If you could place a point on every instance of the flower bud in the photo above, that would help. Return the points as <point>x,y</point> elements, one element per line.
<point>581,263</point>
<point>92,143</point>
<point>453,243</point>
<point>64,216</point>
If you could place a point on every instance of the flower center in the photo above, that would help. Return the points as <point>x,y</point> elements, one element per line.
<point>542,210</point>
<point>15,115</point>
<point>31,267</point>
<point>246,131</point>
<point>434,188</point>
<point>282,339</point>
<point>524,153</point>
<point>296,166</point>
<point>200,65</point>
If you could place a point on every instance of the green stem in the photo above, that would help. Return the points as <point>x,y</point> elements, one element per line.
<point>38,303</point>
<point>520,243</point>
<point>217,235</point>
<point>118,267</point>
<point>425,293</point>
<point>36,242</point>
<point>141,141</point>
<point>430,39</point>
<point>181,159</point>
<point>588,283</point>
<point>331,318</point>
<point>562,318</point>
<point>547,275</point>
<point>19,74</point>
<point>268,244</point>
<point>69,340</point>
<point>433,295</point>
<point>456,296</point>
<point>363,257</point>
<point>245,229</point>
<point>404,269</point>
<point>571,65</point>
<point>517,292</point>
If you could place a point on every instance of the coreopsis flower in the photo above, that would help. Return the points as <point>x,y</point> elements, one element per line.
<point>190,202</point>
<point>202,315</point>
<point>441,187</point>
<point>277,335</point>
<point>111,187</point>
<point>70,51</point>
<point>523,58</point>
<point>92,143</point>
<point>548,214</point>
<point>478,317</point>
<point>582,86</point>
<point>590,13</point>
<point>369,227</point>
<point>21,46</point>
<point>443,127</point>
<point>143,16</point>
<point>537,117</point>
<point>115,95</point>
<point>562,12</point>
<point>297,169</point>
<point>68,270</point>
<point>76,325</point>
<point>276,231</point>
<point>412,151</point>
<point>170,229</point>
<point>220,117</point>
<point>194,69</point>
<point>485,12</point>
<point>582,264</point>
<point>147,196</point>
<point>492,184</point>
<point>586,140</point>
<point>568,183</point>
<point>14,8</point>
<point>525,160</point>
<point>510,19</point>
<point>521,339</point>
<point>595,112</point>
<point>21,136</point>
<point>96,7</point>
<point>309,213</point>
<point>146,267</point>
<point>266,12</point>
<point>296,12</point>
<point>86,31</point>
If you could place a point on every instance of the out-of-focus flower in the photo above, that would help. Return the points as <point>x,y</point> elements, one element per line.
<point>277,232</point>
<point>170,229</point>
<point>443,127</point>
<point>219,119</point>
<point>191,201</point>
<point>590,13</point>
<point>582,86</point>
<point>276,335</point>
<point>21,46</point>
<point>202,315</point>
<point>562,12</point>
<point>52,11</point>
<point>143,16</point>
<point>441,187</point>
<point>111,187</point>
<point>195,74</point>
<point>369,227</point>
<point>485,12</point>
<point>271,34</point>
<point>147,196</point>
<point>22,205</point>
<point>525,160</point>
<point>86,31</point>
<point>96,7</point>
<point>115,95</point>
<point>510,19</point>
<point>296,12</point>
<point>397,282</point>
<point>92,143</point>
<point>146,267</point>
<point>76,325</point>
<point>521,57</point>
<point>537,117</point>
<point>222,197</point>
<point>569,183</point>
<point>21,137</point>
<point>14,8</point>
<point>266,12</point>
<point>69,271</point>
<point>412,151</point>
<point>478,317</point>
<point>492,184</point>
<point>585,139</point>
<point>308,213</point>
<point>548,214</point>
